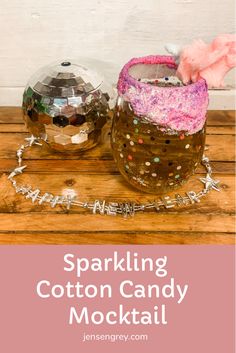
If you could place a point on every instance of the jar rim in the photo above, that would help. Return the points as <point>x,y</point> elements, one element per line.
<point>180,108</point>
<point>150,60</point>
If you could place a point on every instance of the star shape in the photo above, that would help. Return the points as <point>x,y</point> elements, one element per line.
<point>16,171</point>
<point>32,140</point>
<point>210,183</point>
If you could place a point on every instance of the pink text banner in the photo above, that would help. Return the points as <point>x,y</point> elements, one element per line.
<point>155,299</point>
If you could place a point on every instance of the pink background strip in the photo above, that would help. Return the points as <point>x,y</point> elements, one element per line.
<point>203,322</point>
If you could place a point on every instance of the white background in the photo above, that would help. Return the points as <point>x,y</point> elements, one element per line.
<point>34,33</point>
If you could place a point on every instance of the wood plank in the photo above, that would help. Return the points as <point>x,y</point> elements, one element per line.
<point>55,166</point>
<point>93,166</point>
<point>13,115</point>
<point>221,148</point>
<point>221,117</point>
<point>124,238</point>
<point>216,130</point>
<point>221,168</point>
<point>11,141</point>
<point>211,130</point>
<point>109,188</point>
<point>33,222</point>
<point>10,115</point>
<point>12,128</point>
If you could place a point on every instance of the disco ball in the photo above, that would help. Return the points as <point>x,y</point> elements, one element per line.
<point>67,104</point>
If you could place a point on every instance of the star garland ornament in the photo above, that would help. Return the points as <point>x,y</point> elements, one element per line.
<point>210,183</point>
<point>101,206</point>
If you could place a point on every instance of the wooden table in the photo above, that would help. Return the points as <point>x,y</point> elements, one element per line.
<point>94,175</point>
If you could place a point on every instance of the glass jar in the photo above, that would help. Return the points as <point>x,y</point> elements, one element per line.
<point>67,104</point>
<point>159,125</point>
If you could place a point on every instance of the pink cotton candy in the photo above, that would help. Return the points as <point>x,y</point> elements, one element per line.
<point>208,61</point>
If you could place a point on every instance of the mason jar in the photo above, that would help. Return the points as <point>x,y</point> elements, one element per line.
<point>159,125</point>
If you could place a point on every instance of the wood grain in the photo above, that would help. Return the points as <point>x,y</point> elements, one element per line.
<point>95,173</point>
<point>118,238</point>
<point>165,221</point>
<point>222,147</point>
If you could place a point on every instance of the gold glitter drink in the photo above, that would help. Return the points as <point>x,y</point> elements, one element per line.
<point>158,132</point>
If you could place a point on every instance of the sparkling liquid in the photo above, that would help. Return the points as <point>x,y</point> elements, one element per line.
<point>151,158</point>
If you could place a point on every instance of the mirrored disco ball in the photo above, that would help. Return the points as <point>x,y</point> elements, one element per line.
<point>67,104</point>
